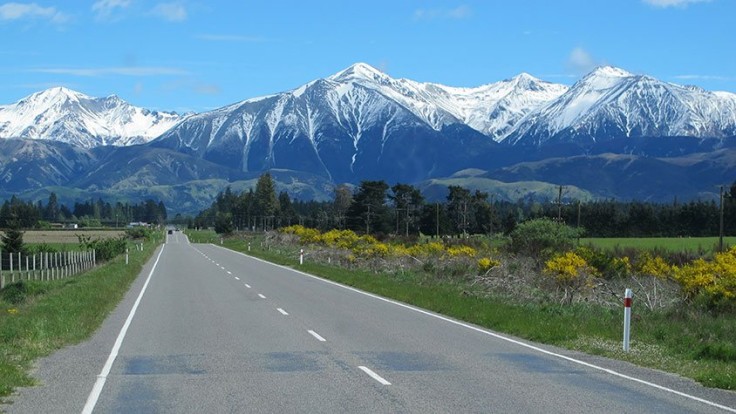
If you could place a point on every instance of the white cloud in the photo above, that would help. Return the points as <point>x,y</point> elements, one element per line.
<point>581,61</point>
<point>173,12</point>
<point>17,11</point>
<point>458,13</point>
<point>230,38</point>
<point>120,71</point>
<point>673,3</point>
<point>207,89</point>
<point>104,9</point>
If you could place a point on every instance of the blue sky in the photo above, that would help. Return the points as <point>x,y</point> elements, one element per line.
<point>196,55</point>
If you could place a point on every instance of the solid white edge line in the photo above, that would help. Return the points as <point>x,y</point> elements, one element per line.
<point>498,336</point>
<point>94,395</point>
<point>374,375</point>
<point>261,296</point>
<point>316,335</point>
<point>283,312</point>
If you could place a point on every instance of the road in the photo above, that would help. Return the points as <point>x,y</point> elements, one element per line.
<point>213,330</point>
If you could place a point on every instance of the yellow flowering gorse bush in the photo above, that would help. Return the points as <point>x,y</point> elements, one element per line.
<point>715,279</point>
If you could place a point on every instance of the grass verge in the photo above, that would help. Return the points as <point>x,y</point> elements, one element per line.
<point>694,344</point>
<point>37,318</point>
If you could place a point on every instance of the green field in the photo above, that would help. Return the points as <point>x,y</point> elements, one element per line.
<point>706,245</point>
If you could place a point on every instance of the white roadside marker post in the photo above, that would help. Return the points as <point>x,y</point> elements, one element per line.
<point>627,318</point>
<point>126,255</point>
<point>301,256</point>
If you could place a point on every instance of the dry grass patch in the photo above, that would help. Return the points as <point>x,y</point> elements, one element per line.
<point>67,236</point>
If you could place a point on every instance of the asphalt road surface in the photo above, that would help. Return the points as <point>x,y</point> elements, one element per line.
<point>208,330</point>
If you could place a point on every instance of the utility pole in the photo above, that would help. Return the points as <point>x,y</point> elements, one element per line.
<point>720,233</point>
<point>559,205</point>
<point>407,221</point>
<point>437,220</point>
<point>579,221</point>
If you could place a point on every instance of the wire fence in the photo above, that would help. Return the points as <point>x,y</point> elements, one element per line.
<point>15,267</point>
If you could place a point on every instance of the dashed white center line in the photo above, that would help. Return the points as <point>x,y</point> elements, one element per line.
<point>247,285</point>
<point>316,335</point>
<point>261,296</point>
<point>236,278</point>
<point>222,267</point>
<point>229,272</point>
<point>374,375</point>
<point>283,312</point>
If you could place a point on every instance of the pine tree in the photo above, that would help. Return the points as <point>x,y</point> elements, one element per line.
<point>266,203</point>
<point>12,239</point>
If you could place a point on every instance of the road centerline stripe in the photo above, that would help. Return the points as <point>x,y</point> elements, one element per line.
<point>374,375</point>
<point>247,285</point>
<point>236,278</point>
<point>261,296</point>
<point>94,395</point>
<point>316,335</point>
<point>283,312</point>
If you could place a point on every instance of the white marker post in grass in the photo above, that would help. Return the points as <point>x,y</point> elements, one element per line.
<point>301,256</point>
<point>627,318</point>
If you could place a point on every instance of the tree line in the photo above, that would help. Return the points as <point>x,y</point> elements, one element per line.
<point>25,214</point>
<point>374,207</point>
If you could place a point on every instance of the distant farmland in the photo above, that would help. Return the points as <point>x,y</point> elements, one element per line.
<point>66,236</point>
<point>673,244</point>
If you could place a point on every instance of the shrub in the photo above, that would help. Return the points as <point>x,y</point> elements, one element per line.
<point>541,238</point>
<point>104,249</point>
<point>570,272</point>
<point>485,264</point>
<point>712,282</point>
<point>138,233</point>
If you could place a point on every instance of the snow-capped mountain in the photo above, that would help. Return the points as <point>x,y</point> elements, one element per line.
<point>61,114</point>
<point>361,122</point>
<point>491,109</point>
<point>612,103</point>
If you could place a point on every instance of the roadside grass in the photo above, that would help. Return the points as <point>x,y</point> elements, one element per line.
<point>39,317</point>
<point>706,245</point>
<point>691,343</point>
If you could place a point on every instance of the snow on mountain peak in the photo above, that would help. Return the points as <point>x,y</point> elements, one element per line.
<point>358,71</point>
<point>611,72</point>
<point>69,116</point>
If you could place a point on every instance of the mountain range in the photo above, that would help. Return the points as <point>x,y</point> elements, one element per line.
<point>611,134</point>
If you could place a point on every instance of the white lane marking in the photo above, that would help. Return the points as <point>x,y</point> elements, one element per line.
<point>222,267</point>
<point>261,296</point>
<point>236,278</point>
<point>247,285</point>
<point>374,375</point>
<point>283,312</point>
<point>498,336</point>
<point>316,335</point>
<point>89,406</point>
<point>229,272</point>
